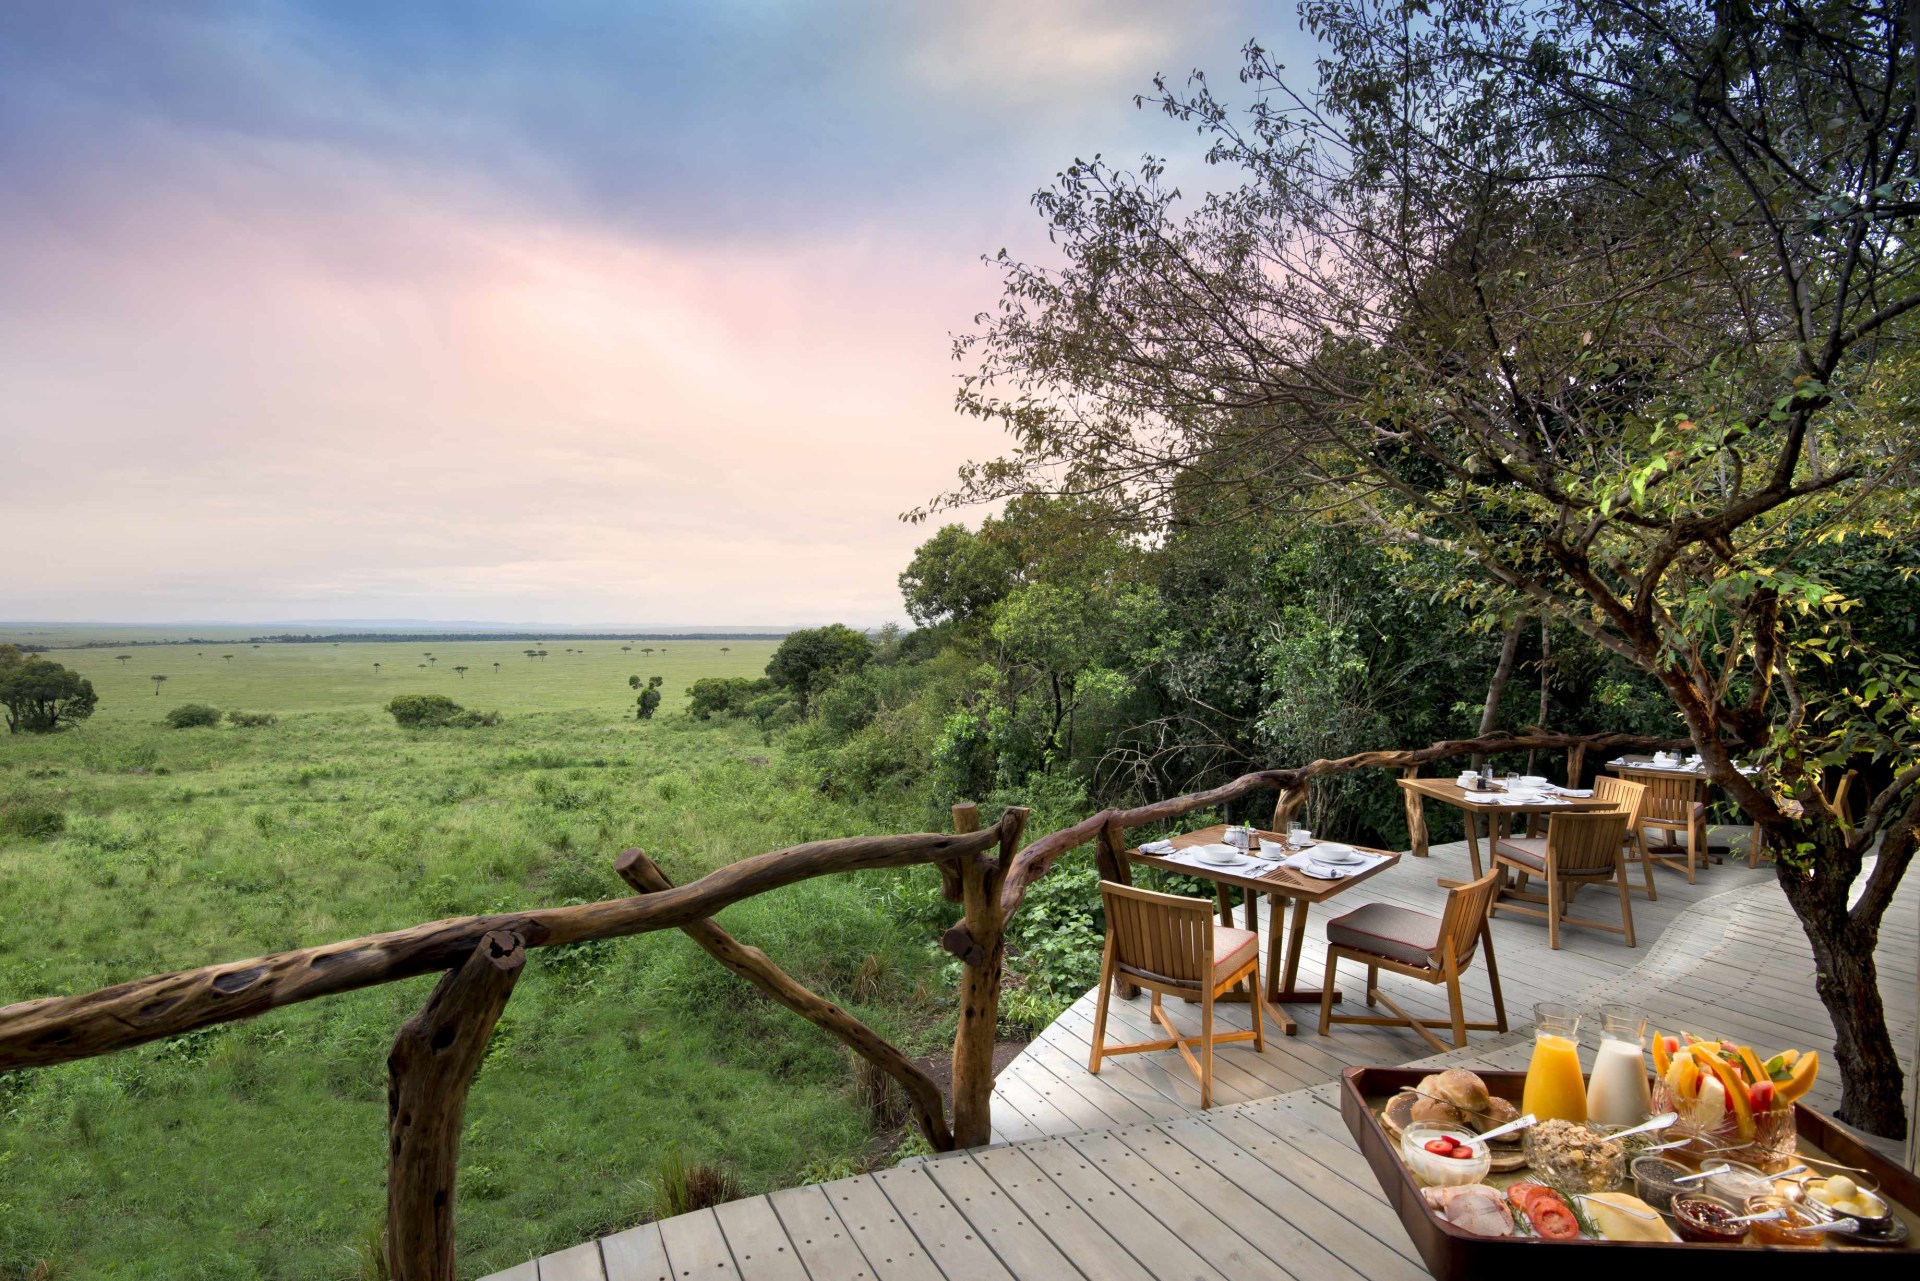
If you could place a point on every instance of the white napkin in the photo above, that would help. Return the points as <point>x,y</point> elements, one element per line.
<point>1241,866</point>
<point>1159,849</point>
<point>1303,862</point>
<point>1573,791</point>
<point>1508,798</point>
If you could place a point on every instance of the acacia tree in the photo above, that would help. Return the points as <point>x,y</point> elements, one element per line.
<point>39,695</point>
<point>158,681</point>
<point>1610,307</point>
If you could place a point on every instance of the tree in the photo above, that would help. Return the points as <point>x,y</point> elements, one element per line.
<point>122,657</point>
<point>227,657</point>
<point>41,695</point>
<point>1609,308</point>
<point>649,701</point>
<point>626,649</point>
<point>808,659</point>
<point>158,681</point>
<point>376,669</point>
<point>712,695</point>
<point>496,669</point>
<point>461,672</point>
<point>957,575</point>
<point>726,649</point>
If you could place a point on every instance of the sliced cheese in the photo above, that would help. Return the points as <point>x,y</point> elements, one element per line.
<point>1621,1216</point>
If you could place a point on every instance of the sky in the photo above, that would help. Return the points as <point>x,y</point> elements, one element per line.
<point>570,312</point>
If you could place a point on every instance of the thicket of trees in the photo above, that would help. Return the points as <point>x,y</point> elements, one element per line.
<point>40,695</point>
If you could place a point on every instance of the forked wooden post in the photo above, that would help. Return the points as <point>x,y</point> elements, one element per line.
<point>980,968</point>
<point>1416,815</point>
<point>1287,807</point>
<point>433,1059</point>
<point>753,965</point>
<point>1110,857</point>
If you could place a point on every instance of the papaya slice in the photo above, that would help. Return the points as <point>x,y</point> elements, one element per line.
<point>1660,1056</point>
<point>1805,1071</point>
<point>1736,1098</point>
<point>1755,1073</point>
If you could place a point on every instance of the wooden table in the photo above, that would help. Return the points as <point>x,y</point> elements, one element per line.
<point>1282,885</point>
<point>1445,790</point>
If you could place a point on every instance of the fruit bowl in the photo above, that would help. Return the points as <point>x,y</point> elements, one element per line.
<point>1770,1149</point>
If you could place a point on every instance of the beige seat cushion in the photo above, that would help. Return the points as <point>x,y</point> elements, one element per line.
<point>1232,949</point>
<point>1398,933</point>
<point>1531,851</point>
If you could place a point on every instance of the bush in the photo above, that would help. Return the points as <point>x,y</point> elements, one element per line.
<point>253,720</point>
<point>193,716</point>
<point>431,711</point>
<point>31,820</point>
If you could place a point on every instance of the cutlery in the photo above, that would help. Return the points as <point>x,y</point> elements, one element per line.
<point>1704,1174</point>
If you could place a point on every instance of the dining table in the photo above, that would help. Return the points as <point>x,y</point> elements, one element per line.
<point>1494,802</point>
<point>1283,886</point>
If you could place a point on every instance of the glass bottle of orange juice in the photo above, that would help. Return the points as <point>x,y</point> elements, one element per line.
<point>1555,1087</point>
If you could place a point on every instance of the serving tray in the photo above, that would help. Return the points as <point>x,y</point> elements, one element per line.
<point>1453,1255</point>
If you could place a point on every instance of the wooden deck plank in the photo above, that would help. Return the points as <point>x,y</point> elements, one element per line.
<point>1000,1221</point>
<point>581,1263</point>
<point>758,1243</point>
<point>818,1235</point>
<point>697,1249</point>
<point>1182,1211</point>
<point>636,1255</point>
<point>892,1248</point>
<point>1143,1236</point>
<point>949,1239</point>
<point>1081,1237</point>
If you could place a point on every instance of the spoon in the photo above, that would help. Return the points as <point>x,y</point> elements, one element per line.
<point>1660,1122</point>
<point>1704,1174</point>
<point>1508,1128</point>
<point>1765,1216</point>
<point>1830,1225</point>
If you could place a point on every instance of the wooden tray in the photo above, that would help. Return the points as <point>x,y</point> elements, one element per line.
<point>1453,1255</point>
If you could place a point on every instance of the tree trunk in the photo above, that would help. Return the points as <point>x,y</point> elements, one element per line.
<point>1546,674</point>
<point>1847,979</point>
<point>980,970</point>
<point>1498,685</point>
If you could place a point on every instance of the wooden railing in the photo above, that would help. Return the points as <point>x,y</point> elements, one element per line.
<point>480,958</point>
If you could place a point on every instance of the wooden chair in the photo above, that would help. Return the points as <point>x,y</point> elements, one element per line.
<point>1580,849</point>
<point>1630,798</point>
<point>1675,805</point>
<point>1172,947</point>
<point>1420,945</point>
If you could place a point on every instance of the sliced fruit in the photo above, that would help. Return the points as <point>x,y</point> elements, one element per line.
<point>1687,1087</point>
<point>1442,1146</point>
<point>1760,1096</point>
<point>1736,1098</point>
<point>1754,1071</point>
<point>1710,1106</point>
<point>1661,1056</point>
<point>1804,1073</point>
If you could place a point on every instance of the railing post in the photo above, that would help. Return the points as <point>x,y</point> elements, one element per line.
<point>980,972</point>
<point>1288,805</point>
<point>433,1059</point>
<point>1416,815</point>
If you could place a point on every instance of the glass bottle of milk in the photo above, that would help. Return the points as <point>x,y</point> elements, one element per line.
<point>1617,1090</point>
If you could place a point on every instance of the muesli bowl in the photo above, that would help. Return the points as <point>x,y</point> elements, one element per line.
<point>1770,1149</point>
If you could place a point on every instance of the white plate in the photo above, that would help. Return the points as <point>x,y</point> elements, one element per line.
<point>1334,855</point>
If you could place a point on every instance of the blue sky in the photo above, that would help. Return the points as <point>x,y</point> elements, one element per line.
<point>562,312</point>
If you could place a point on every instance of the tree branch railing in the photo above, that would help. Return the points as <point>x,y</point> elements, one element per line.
<point>480,958</point>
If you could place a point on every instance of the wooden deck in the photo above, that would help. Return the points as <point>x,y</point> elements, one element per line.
<point>1119,1176</point>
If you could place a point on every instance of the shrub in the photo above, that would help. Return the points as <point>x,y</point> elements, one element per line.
<point>253,720</point>
<point>193,716</point>
<point>681,1186</point>
<point>431,711</point>
<point>31,820</point>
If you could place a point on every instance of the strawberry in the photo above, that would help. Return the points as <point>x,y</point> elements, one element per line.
<point>1462,1153</point>
<point>1442,1146</point>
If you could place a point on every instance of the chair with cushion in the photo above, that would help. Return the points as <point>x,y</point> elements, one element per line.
<point>1420,945</point>
<point>1630,798</point>
<point>1580,849</point>
<point>1675,805</point>
<point>1172,947</point>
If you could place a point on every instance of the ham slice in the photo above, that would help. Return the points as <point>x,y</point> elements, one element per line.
<point>1472,1207</point>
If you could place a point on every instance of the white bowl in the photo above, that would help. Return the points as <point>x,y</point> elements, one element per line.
<point>1533,781</point>
<point>1443,1171</point>
<point>1336,854</point>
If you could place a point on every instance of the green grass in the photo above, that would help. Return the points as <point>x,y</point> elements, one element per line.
<point>257,1150</point>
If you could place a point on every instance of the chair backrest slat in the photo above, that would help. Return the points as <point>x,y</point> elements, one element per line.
<point>1464,916</point>
<point>1669,801</point>
<point>1625,795</point>
<point>1586,842</point>
<point>1162,934</point>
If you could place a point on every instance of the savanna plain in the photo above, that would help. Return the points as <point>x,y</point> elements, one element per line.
<point>258,1149</point>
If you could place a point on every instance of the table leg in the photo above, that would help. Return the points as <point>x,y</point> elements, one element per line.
<point>1287,991</point>
<point>1276,930</point>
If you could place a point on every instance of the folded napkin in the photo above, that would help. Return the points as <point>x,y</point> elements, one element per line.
<point>1573,791</point>
<point>1304,862</point>
<point>1508,798</point>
